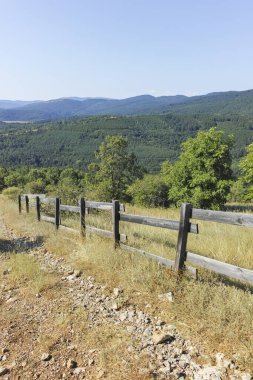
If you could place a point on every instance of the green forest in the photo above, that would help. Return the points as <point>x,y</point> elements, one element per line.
<point>152,138</point>
<point>202,175</point>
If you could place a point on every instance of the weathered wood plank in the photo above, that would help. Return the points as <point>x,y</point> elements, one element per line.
<point>184,227</point>
<point>27,204</point>
<point>47,219</point>
<point>161,260</point>
<point>235,218</point>
<point>68,229</point>
<point>38,208</point>
<point>47,200</point>
<point>31,196</point>
<point>104,233</point>
<point>102,205</point>
<point>82,217</point>
<point>222,268</point>
<point>19,204</point>
<point>115,223</point>
<point>57,213</point>
<point>156,222</point>
<point>99,231</point>
<point>70,208</point>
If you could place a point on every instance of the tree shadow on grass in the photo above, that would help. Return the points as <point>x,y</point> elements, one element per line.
<point>20,245</point>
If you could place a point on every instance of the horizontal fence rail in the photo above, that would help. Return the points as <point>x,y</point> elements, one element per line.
<point>70,208</point>
<point>184,226</point>
<point>156,222</point>
<point>220,267</point>
<point>47,219</point>
<point>235,218</point>
<point>47,200</point>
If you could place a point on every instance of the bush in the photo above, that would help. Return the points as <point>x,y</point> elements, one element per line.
<point>151,191</point>
<point>12,192</point>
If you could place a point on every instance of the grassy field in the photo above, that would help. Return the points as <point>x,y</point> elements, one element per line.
<point>213,311</point>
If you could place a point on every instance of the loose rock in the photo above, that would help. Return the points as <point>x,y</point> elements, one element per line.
<point>4,371</point>
<point>159,338</point>
<point>46,357</point>
<point>71,363</point>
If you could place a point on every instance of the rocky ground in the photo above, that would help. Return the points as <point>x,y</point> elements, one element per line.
<point>81,329</point>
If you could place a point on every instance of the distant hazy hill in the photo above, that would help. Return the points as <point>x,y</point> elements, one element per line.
<point>69,107</point>
<point>10,104</point>
<point>225,103</point>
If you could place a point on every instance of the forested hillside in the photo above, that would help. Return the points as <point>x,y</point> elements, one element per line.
<point>225,103</point>
<point>153,138</point>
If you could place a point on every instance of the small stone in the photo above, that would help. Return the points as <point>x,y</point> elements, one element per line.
<point>91,362</point>
<point>71,347</point>
<point>7,271</point>
<point>123,316</point>
<point>208,373</point>
<point>115,306</point>
<point>77,273</point>
<point>100,374</point>
<point>160,323</point>
<point>71,363</point>
<point>79,370</point>
<point>46,357</point>
<point>12,299</point>
<point>219,358</point>
<point>5,349</point>
<point>246,376</point>
<point>117,291</point>
<point>159,338</point>
<point>4,371</point>
<point>166,297</point>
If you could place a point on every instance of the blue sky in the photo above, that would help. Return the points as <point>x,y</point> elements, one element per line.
<point>122,48</point>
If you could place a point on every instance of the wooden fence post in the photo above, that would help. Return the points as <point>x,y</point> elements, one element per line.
<point>38,207</point>
<point>27,204</point>
<point>115,223</point>
<point>57,213</point>
<point>184,225</point>
<point>19,204</point>
<point>82,217</point>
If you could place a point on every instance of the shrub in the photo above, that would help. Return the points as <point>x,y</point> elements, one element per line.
<point>12,192</point>
<point>151,191</point>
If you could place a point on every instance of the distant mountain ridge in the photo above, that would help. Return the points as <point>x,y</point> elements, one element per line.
<point>230,102</point>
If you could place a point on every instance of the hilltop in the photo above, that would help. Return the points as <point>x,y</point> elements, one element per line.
<point>225,103</point>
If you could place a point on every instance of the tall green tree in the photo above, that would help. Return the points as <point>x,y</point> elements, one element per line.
<point>115,168</point>
<point>3,174</point>
<point>246,168</point>
<point>202,174</point>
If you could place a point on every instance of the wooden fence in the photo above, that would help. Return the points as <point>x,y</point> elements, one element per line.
<point>184,226</point>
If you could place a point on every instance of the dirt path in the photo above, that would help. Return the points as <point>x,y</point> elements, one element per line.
<point>77,328</point>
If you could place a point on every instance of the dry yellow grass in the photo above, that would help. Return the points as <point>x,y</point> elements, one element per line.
<point>25,270</point>
<point>209,310</point>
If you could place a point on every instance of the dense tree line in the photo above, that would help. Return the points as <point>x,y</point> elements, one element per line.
<point>202,175</point>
